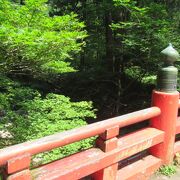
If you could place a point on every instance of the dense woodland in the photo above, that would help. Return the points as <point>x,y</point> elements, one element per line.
<point>66,63</point>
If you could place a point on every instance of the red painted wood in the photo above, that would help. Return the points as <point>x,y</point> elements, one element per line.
<point>132,159</point>
<point>168,103</point>
<point>18,163</point>
<point>177,147</point>
<point>67,137</point>
<point>110,133</point>
<point>23,175</point>
<point>72,167</point>
<point>90,161</point>
<point>109,173</point>
<point>178,126</point>
<point>108,145</point>
<point>140,170</point>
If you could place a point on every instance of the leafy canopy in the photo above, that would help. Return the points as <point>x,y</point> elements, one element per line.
<point>34,43</point>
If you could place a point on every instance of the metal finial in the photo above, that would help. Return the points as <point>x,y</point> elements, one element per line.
<point>170,54</point>
<point>167,75</point>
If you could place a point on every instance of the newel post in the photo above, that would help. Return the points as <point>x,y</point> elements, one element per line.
<point>166,97</point>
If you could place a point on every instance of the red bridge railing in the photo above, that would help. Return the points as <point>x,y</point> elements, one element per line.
<point>74,135</point>
<point>105,160</point>
<point>114,157</point>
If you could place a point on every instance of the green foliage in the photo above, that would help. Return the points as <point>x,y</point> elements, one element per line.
<point>145,31</point>
<point>149,79</point>
<point>168,170</point>
<point>129,4</point>
<point>34,43</point>
<point>143,28</point>
<point>38,45</point>
<point>134,72</point>
<point>54,113</point>
<point>43,39</point>
<point>26,115</point>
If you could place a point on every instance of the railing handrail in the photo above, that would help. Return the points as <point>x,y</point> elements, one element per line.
<point>74,135</point>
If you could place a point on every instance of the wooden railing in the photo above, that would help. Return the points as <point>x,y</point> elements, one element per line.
<point>104,161</point>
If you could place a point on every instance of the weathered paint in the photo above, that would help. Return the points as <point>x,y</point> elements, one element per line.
<point>140,170</point>
<point>18,163</point>
<point>90,161</point>
<point>168,103</point>
<point>23,175</point>
<point>73,164</point>
<point>67,137</point>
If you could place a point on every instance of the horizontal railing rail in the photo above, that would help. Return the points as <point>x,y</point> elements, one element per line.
<point>92,160</point>
<point>74,135</point>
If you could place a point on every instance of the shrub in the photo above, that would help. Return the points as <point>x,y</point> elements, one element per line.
<point>27,116</point>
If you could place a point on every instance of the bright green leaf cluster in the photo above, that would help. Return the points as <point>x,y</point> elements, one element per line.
<point>168,170</point>
<point>32,42</point>
<point>26,115</point>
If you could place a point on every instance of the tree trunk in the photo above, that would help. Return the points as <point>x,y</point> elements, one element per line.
<point>109,42</point>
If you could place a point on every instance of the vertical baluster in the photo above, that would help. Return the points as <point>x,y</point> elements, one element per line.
<point>107,142</point>
<point>18,168</point>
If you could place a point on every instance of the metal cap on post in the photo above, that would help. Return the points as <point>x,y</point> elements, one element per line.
<point>167,75</point>
<point>166,97</point>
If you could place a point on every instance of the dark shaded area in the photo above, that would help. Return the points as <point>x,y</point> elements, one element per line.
<point>100,88</point>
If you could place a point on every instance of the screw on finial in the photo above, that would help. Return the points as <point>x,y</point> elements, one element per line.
<point>170,54</point>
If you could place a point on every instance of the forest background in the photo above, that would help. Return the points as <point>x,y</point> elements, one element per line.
<point>66,63</point>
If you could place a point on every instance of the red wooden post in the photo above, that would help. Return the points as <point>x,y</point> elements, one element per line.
<point>167,99</point>
<point>168,103</point>
<point>107,142</point>
<point>18,168</point>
